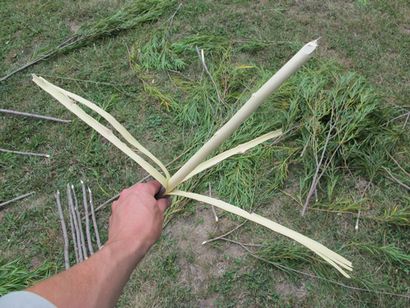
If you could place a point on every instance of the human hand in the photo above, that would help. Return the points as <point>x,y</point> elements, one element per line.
<point>137,217</point>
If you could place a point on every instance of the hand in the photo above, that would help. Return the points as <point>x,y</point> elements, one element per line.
<point>137,217</point>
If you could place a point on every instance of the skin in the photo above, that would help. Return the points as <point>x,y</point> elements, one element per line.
<point>135,225</point>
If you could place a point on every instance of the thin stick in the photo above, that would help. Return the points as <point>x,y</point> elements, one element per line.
<point>398,165</point>
<point>201,56</point>
<point>316,175</point>
<point>16,199</point>
<point>243,113</point>
<point>80,225</point>
<point>97,233</point>
<point>72,230</point>
<point>87,220</point>
<point>407,120</point>
<point>33,115</point>
<point>24,153</point>
<point>225,234</point>
<point>356,227</point>
<point>77,231</point>
<point>212,207</point>
<point>285,268</point>
<point>64,229</point>
<point>392,177</point>
<point>64,44</point>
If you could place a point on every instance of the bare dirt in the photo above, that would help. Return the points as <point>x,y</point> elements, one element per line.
<point>206,261</point>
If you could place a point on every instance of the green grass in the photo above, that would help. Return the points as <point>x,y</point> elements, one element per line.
<point>143,67</point>
<point>15,276</point>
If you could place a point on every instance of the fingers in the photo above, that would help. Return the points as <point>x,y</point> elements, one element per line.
<point>151,187</point>
<point>163,203</point>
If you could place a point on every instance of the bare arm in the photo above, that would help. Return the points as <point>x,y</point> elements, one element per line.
<point>135,225</point>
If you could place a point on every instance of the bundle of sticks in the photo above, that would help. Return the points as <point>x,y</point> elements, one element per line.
<point>81,243</point>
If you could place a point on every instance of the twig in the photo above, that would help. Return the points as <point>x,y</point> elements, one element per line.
<point>87,220</point>
<point>398,165</point>
<point>171,19</point>
<point>16,199</point>
<point>285,268</point>
<point>356,227</point>
<point>97,233</point>
<point>24,153</point>
<point>64,229</point>
<point>201,56</point>
<point>225,234</point>
<point>316,175</point>
<point>212,207</point>
<point>80,225</point>
<point>406,114</point>
<point>406,121</point>
<point>239,243</point>
<point>77,230</point>
<point>392,177</point>
<point>72,229</point>
<point>33,115</point>
<point>68,42</point>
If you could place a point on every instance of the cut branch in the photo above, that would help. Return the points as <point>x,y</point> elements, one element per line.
<point>73,230</point>
<point>25,153</point>
<point>97,233</point>
<point>64,230</point>
<point>80,227</point>
<point>16,199</point>
<point>33,115</point>
<point>75,221</point>
<point>87,219</point>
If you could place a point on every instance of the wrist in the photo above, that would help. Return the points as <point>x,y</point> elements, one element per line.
<point>127,250</point>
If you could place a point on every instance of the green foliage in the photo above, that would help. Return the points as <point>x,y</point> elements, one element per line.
<point>15,276</point>
<point>387,252</point>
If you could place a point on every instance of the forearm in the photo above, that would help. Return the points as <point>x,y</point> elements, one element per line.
<point>96,282</point>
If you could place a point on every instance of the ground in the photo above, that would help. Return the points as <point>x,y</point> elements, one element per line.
<point>173,108</point>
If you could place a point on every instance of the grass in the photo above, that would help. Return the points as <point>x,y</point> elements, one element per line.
<point>16,276</point>
<point>147,73</point>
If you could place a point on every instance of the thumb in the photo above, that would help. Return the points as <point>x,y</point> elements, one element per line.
<point>164,203</point>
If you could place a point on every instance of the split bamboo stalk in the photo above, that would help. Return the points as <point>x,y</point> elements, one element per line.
<point>77,230</point>
<point>189,169</point>
<point>97,233</point>
<point>87,219</point>
<point>80,225</point>
<point>250,106</point>
<point>64,230</point>
<point>33,115</point>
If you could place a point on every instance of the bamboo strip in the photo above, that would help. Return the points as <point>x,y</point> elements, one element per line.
<point>101,129</point>
<point>329,256</point>
<point>240,149</point>
<point>115,124</point>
